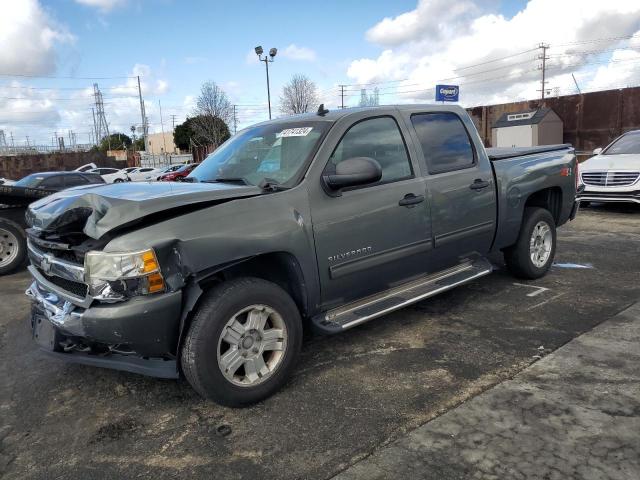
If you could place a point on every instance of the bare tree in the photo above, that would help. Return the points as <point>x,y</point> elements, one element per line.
<point>213,113</point>
<point>298,96</point>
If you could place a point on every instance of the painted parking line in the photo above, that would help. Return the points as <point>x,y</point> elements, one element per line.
<point>538,290</point>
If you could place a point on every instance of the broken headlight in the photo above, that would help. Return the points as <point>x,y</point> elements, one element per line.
<point>130,272</point>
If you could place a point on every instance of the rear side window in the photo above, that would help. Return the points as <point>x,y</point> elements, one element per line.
<point>445,142</point>
<point>377,138</point>
<point>54,183</point>
<point>74,180</point>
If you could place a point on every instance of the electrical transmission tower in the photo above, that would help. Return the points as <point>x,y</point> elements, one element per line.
<point>100,125</point>
<point>3,142</point>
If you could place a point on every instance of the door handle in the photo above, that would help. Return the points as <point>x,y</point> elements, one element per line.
<point>411,199</point>
<point>478,184</point>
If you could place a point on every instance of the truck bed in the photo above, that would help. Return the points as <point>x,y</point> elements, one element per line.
<point>504,153</point>
<point>544,168</point>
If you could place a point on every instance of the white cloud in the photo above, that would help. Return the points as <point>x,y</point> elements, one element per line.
<point>431,18</point>
<point>295,52</point>
<point>104,5</point>
<point>437,42</point>
<point>29,37</point>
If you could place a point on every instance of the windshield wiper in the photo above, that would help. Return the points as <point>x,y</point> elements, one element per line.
<point>270,185</point>
<point>240,180</point>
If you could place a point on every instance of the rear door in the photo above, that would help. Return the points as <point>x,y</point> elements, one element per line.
<point>460,184</point>
<point>370,238</point>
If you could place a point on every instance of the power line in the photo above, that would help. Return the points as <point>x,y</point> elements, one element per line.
<point>23,75</point>
<point>497,59</point>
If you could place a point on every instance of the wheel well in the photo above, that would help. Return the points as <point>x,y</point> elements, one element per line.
<point>280,268</point>
<point>550,199</point>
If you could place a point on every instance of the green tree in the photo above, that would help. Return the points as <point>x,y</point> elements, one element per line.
<point>138,145</point>
<point>188,132</point>
<point>115,141</point>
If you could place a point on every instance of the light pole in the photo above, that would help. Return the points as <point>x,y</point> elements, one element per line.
<point>267,59</point>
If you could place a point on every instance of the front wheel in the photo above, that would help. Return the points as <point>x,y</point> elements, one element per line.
<point>242,343</point>
<point>532,254</point>
<point>118,180</point>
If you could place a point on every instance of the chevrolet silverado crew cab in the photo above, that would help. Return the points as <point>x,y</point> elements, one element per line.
<point>329,220</point>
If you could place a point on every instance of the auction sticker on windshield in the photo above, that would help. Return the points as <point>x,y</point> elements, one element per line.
<point>295,132</point>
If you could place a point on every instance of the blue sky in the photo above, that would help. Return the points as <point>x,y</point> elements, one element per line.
<point>405,46</point>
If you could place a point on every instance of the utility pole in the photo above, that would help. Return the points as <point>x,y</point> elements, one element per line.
<point>544,58</point>
<point>143,115</point>
<point>235,120</point>
<point>342,96</point>
<point>164,142</point>
<point>13,145</point>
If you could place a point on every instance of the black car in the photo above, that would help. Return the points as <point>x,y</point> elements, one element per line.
<point>14,200</point>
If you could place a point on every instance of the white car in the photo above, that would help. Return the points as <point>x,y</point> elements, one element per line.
<point>6,181</point>
<point>613,173</point>
<point>111,175</point>
<point>141,174</point>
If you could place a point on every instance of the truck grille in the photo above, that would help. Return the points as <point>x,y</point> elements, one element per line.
<point>610,178</point>
<point>76,288</point>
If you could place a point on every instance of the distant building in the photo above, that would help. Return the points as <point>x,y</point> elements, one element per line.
<point>161,143</point>
<point>527,129</point>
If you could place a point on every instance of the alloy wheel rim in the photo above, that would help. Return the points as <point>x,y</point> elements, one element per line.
<point>252,345</point>
<point>540,244</point>
<point>8,247</point>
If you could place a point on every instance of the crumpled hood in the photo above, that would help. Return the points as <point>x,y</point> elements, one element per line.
<point>106,207</point>
<point>611,162</point>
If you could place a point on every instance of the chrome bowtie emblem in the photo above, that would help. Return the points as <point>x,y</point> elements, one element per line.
<point>45,263</point>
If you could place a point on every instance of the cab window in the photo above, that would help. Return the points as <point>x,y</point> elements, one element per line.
<point>445,143</point>
<point>379,139</point>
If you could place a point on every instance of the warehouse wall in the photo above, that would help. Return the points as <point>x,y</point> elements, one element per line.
<point>590,120</point>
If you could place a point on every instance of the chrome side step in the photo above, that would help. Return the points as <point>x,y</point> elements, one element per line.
<point>368,308</point>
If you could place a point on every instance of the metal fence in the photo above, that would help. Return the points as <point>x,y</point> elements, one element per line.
<point>163,159</point>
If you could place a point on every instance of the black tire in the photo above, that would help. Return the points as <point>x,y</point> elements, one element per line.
<point>118,180</point>
<point>518,257</point>
<point>199,356</point>
<point>8,229</point>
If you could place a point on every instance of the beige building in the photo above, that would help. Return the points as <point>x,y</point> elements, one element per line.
<point>527,129</point>
<point>158,143</point>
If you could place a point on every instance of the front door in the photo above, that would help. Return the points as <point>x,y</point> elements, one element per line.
<point>371,237</point>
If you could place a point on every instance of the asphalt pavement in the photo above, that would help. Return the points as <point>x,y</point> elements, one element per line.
<point>351,395</point>
<point>574,415</point>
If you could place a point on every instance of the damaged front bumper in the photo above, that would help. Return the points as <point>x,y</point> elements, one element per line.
<point>138,335</point>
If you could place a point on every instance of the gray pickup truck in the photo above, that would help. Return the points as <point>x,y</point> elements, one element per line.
<point>327,220</point>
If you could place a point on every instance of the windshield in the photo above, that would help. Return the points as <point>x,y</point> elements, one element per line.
<point>30,181</point>
<point>627,144</point>
<point>276,152</point>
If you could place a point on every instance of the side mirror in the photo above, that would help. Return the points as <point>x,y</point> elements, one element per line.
<point>597,151</point>
<point>354,171</point>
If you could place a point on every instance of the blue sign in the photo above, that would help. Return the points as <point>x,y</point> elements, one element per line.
<point>447,93</point>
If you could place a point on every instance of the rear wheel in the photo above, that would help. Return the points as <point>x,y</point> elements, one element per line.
<point>118,180</point>
<point>13,246</point>
<point>532,255</point>
<point>243,342</point>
